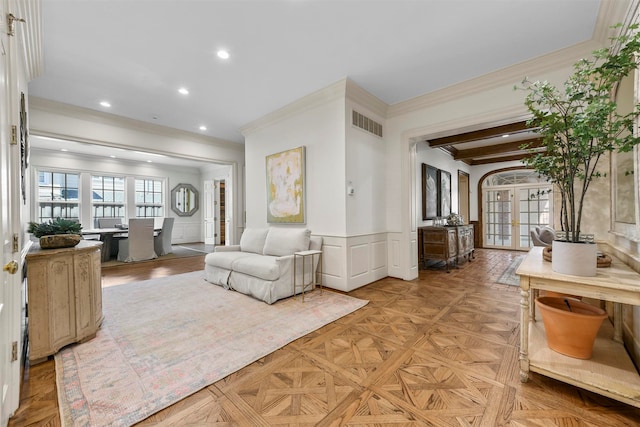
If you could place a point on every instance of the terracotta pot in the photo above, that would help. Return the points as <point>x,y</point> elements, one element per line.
<point>571,333</point>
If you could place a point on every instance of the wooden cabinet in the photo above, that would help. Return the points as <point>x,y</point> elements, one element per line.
<point>64,297</point>
<point>439,243</point>
<point>465,241</point>
<point>448,244</point>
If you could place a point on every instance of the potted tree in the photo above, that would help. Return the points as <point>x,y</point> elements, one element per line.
<point>58,233</point>
<point>578,125</point>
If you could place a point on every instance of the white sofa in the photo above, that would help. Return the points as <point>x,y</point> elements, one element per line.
<point>262,264</point>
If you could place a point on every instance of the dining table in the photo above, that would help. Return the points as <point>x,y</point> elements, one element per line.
<point>108,236</point>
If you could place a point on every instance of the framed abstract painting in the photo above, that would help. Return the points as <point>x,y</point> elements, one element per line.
<point>286,196</point>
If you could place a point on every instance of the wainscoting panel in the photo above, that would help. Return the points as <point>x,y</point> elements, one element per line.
<point>186,232</point>
<point>352,262</point>
<point>394,255</point>
<point>332,262</point>
<point>359,265</point>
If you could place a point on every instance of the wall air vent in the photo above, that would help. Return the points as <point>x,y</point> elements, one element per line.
<point>364,122</point>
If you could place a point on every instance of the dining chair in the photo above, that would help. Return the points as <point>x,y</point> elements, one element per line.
<point>109,222</point>
<point>139,245</point>
<point>162,242</point>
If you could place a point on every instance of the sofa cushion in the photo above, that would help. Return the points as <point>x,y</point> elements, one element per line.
<point>252,240</point>
<point>226,259</point>
<point>286,241</point>
<point>264,267</point>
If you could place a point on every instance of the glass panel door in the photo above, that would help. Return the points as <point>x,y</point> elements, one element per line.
<point>534,207</point>
<point>499,218</point>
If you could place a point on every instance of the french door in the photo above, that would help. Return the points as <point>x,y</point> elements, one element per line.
<point>510,212</point>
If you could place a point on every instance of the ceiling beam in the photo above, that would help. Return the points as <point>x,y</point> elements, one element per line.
<point>489,160</point>
<point>479,134</point>
<point>490,150</point>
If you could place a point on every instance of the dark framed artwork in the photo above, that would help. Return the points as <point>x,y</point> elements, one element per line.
<point>429,192</point>
<point>444,193</point>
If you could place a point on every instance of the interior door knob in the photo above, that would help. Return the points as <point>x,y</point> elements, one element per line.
<point>11,267</point>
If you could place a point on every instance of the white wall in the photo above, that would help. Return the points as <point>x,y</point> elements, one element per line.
<point>365,170</point>
<point>352,226</point>
<point>441,160</point>
<point>321,130</point>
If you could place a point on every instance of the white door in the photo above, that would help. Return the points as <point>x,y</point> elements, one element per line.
<point>498,218</point>
<point>510,212</point>
<point>209,213</point>
<point>10,197</point>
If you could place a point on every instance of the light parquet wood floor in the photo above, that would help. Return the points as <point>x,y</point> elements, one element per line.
<point>441,350</point>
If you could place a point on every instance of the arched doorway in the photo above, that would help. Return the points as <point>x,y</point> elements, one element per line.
<point>512,202</point>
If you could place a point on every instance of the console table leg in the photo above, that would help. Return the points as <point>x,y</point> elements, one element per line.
<point>617,322</point>
<point>524,333</point>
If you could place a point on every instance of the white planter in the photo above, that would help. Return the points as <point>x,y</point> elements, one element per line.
<point>577,259</point>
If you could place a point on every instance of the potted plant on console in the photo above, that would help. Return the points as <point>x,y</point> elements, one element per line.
<point>57,233</point>
<point>578,125</point>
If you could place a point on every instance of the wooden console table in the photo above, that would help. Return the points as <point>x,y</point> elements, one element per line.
<point>64,297</point>
<point>610,372</point>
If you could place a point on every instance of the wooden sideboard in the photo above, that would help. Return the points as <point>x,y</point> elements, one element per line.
<point>64,297</point>
<point>610,371</point>
<point>448,244</point>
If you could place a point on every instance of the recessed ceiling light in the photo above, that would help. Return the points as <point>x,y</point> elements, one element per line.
<point>105,104</point>
<point>183,91</point>
<point>203,128</point>
<point>223,54</point>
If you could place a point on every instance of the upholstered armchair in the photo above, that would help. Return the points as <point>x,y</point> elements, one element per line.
<point>543,236</point>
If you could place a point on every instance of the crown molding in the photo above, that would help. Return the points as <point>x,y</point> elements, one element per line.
<point>506,76</point>
<point>73,111</point>
<point>360,96</point>
<point>613,12</point>
<point>30,33</point>
<point>334,91</point>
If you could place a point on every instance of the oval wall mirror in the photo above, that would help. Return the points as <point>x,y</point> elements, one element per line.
<point>184,199</point>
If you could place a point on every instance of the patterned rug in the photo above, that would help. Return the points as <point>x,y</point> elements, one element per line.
<point>164,339</point>
<point>509,276</point>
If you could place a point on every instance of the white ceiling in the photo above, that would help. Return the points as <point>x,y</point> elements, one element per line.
<point>137,53</point>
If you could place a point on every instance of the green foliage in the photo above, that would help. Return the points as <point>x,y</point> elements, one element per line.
<point>581,123</point>
<point>57,226</point>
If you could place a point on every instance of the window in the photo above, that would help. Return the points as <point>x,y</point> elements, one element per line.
<point>108,197</point>
<point>58,195</point>
<point>149,198</point>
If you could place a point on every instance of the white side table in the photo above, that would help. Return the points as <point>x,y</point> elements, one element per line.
<point>307,257</point>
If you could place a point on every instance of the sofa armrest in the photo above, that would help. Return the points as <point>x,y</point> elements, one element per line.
<point>228,248</point>
<point>285,258</point>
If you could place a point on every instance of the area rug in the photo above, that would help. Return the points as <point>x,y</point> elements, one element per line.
<point>164,339</point>
<point>509,276</point>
